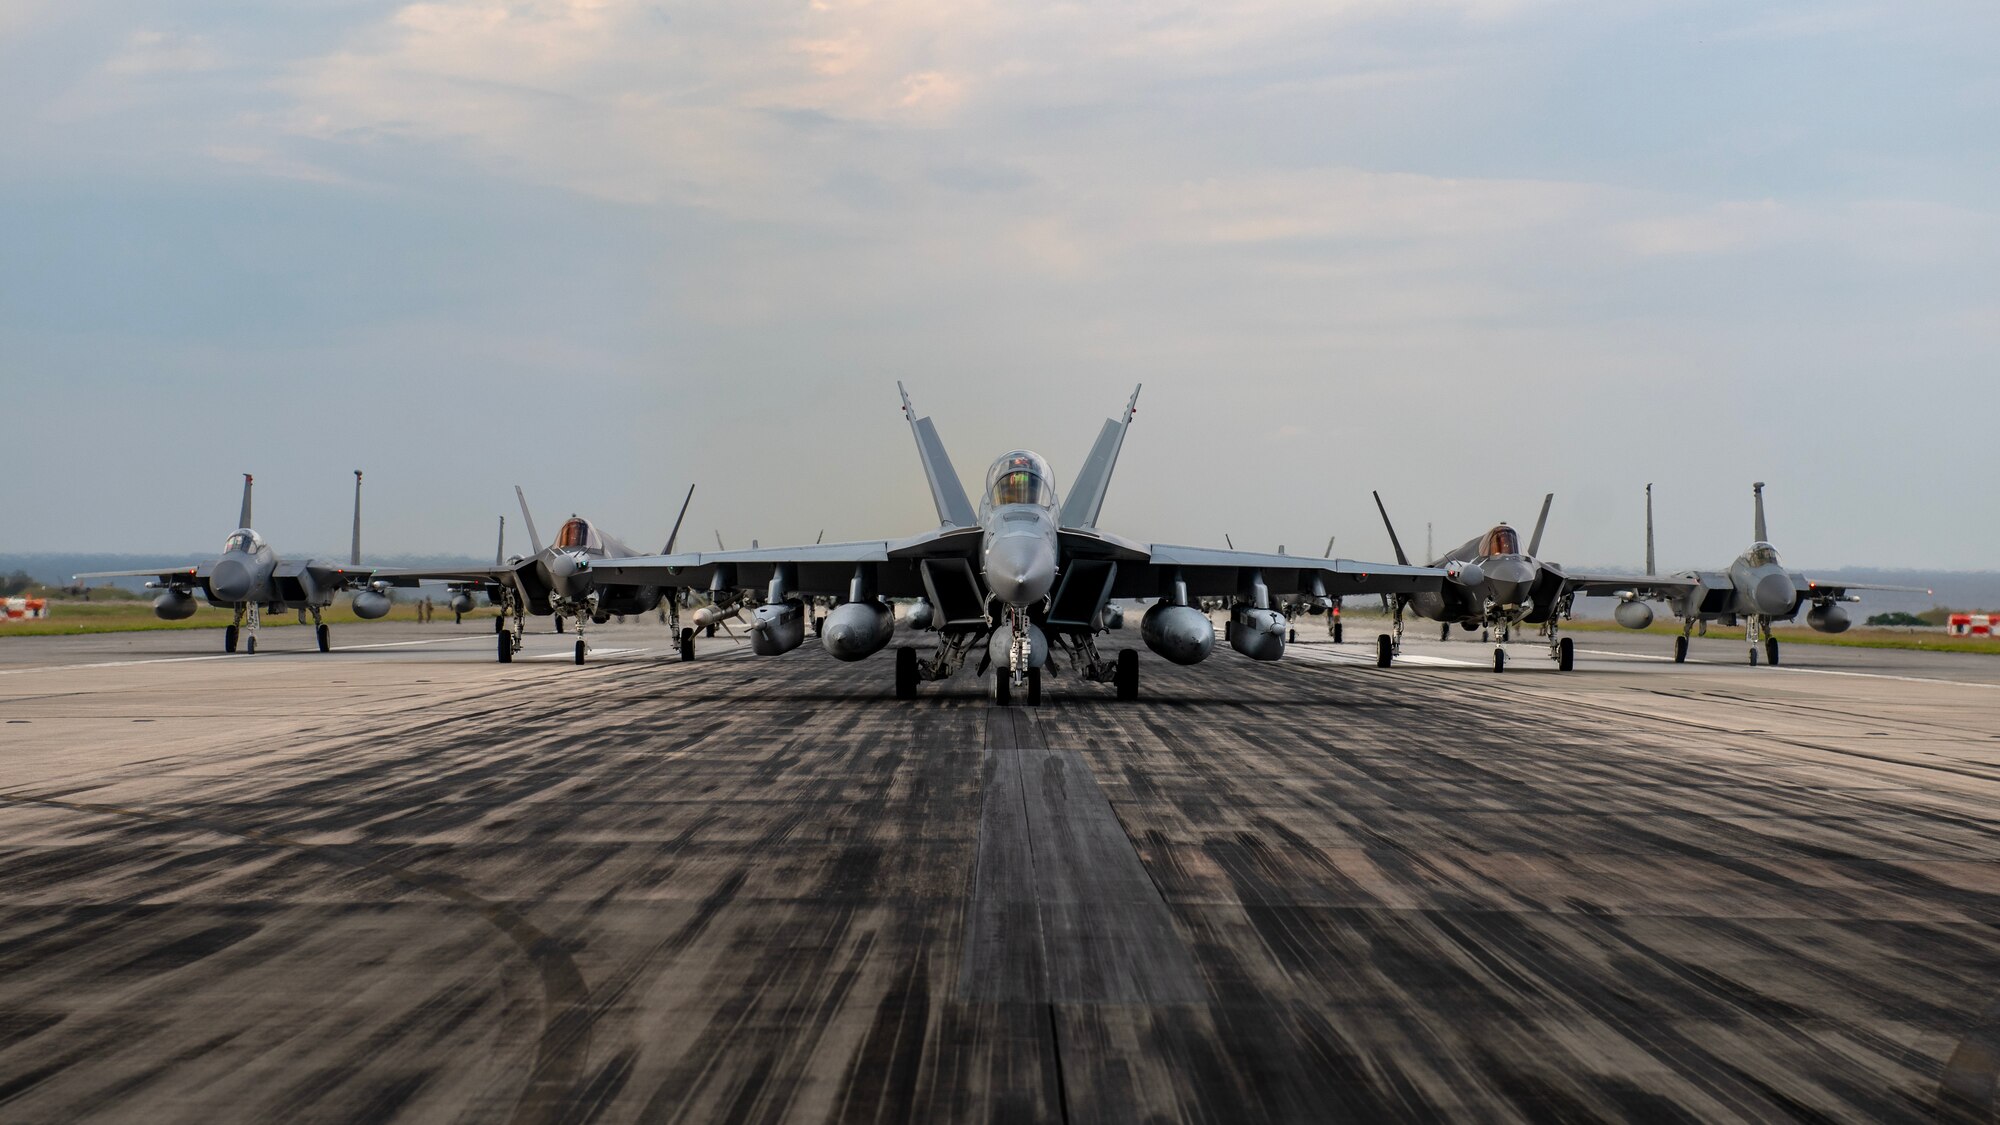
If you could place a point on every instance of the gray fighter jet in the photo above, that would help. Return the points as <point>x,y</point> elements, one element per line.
<point>1494,586</point>
<point>1021,579</point>
<point>555,581</point>
<point>1756,590</point>
<point>250,578</point>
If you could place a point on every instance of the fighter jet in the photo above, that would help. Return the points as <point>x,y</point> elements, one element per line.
<point>250,578</point>
<point>1492,585</point>
<point>1025,577</point>
<point>1756,589</point>
<point>556,580</point>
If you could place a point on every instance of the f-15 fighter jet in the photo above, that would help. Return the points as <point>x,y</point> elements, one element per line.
<point>1023,577</point>
<point>250,578</point>
<point>1756,590</point>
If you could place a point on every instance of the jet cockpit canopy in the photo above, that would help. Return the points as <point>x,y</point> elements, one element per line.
<point>1502,540</point>
<point>243,541</point>
<point>577,535</point>
<point>1020,477</point>
<point>1762,554</point>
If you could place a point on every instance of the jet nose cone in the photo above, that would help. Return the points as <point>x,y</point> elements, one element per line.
<point>230,581</point>
<point>1020,569</point>
<point>1773,593</point>
<point>1508,581</point>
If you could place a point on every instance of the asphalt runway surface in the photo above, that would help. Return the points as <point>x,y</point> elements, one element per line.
<point>400,881</point>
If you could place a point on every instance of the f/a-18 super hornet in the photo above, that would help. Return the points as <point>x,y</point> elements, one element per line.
<point>1492,585</point>
<point>555,581</point>
<point>1021,579</point>
<point>1756,590</point>
<point>251,579</point>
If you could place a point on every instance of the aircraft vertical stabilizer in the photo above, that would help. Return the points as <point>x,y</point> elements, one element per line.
<point>243,517</point>
<point>354,550</point>
<point>1393,541</point>
<point>946,492</point>
<point>500,548</point>
<point>676,532</point>
<point>1535,543</point>
<point>1649,529</point>
<point>1757,490</point>
<point>1086,494</point>
<point>534,540</point>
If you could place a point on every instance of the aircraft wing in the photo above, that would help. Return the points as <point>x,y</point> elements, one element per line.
<point>822,568</point>
<point>1615,585</point>
<point>402,576</point>
<point>165,576</point>
<point>1816,589</point>
<point>329,576</point>
<point>1214,572</point>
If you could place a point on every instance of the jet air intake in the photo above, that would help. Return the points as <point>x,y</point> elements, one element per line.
<point>855,630</point>
<point>1179,633</point>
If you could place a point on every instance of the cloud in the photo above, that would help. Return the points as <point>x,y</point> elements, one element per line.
<point>163,52</point>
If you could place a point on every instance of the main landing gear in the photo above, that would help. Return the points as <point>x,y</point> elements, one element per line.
<point>1561,649</point>
<point>1390,645</point>
<point>509,639</point>
<point>320,632</point>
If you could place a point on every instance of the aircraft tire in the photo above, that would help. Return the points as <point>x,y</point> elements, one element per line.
<point>1034,687</point>
<point>1127,678</point>
<point>1292,637</point>
<point>250,645</point>
<point>1771,651</point>
<point>506,648</point>
<point>1499,660</point>
<point>1001,690</point>
<point>1385,651</point>
<point>906,672</point>
<point>1565,655</point>
<point>229,638</point>
<point>687,644</point>
<point>1680,650</point>
<point>711,630</point>
<point>579,652</point>
<point>1753,656</point>
<point>1446,634</point>
<point>559,627</point>
<point>325,637</point>
<point>819,625</point>
<point>1336,632</point>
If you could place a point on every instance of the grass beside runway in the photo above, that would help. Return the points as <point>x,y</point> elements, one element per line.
<point>69,619</point>
<point>1862,637</point>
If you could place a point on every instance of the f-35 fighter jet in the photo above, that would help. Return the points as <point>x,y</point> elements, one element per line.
<point>1024,577</point>
<point>556,581</point>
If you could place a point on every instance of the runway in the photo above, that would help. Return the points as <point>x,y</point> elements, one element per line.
<point>403,882</point>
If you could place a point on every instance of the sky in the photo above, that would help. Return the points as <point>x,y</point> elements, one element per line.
<point>1462,251</point>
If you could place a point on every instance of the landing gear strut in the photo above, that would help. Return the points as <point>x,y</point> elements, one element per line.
<point>321,633</point>
<point>1753,632</point>
<point>1561,649</point>
<point>509,640</point>
<point>1389,645</point>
